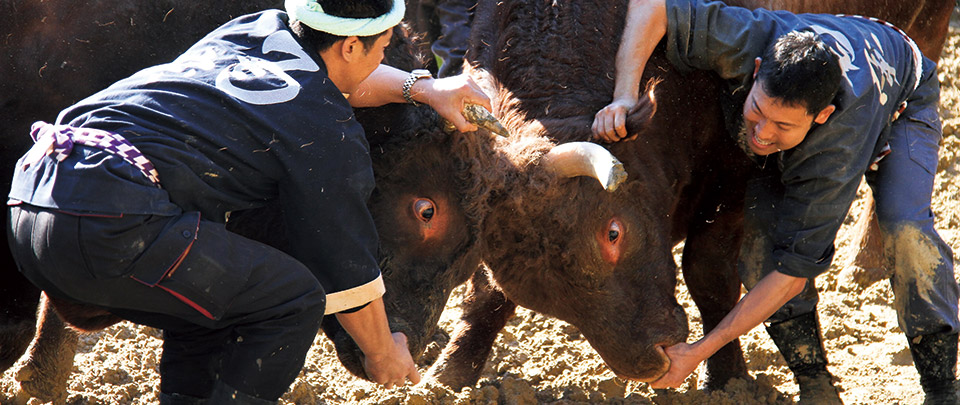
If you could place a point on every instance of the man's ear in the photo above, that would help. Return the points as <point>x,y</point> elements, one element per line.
<point>756,66</point>
<point>824,114</point>
<point>350,48</point>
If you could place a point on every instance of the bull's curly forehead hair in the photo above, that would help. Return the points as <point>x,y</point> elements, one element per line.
<point>800,69</point>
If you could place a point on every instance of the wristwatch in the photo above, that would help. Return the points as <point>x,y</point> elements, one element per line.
<point>415,74</point>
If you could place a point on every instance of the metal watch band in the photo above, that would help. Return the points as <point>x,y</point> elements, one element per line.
<point>415,75</point>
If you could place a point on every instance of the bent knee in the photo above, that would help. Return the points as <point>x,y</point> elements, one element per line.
<point>912,248</point>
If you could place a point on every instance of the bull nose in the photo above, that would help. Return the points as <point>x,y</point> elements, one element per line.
<point>661,349</point>
<point>647,366</point>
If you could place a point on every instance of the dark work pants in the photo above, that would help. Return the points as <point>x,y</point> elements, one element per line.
<point>233,311</point>
<point>925,290</point>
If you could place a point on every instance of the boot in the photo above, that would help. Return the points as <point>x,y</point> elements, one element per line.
<point>800,345</point>
<point>180,399</point>
<point>935,357</point>
<point>225,394</point>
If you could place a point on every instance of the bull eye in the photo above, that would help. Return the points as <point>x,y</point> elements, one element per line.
<point>613,233</point>
<point>424,209</point>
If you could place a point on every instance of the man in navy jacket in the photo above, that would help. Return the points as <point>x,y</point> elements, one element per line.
<point>825,99</point>
<point>122,202</point>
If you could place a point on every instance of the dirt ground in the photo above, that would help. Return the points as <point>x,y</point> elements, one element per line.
<point>542,360</point>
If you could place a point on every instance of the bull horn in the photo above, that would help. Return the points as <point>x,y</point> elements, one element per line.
<point>479,116</point>
<point>574,159</point>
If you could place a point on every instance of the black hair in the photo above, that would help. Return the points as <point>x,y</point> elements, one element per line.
<point>799,69</point>
<point>321,41</point>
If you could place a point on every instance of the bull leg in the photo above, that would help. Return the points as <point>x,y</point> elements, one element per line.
<point>18,319</point>
<point>710,272</point>
<point>867,267</point>
<point>485,313</point>
<point>49,361</point>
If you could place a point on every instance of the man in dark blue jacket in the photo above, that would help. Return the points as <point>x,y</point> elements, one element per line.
<point>823,99</point>
<point>122,202</point>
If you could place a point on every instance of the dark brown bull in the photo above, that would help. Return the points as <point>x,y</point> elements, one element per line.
<point>601,261</point>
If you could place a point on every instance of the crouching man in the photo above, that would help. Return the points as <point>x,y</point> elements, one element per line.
<point>121,203</point>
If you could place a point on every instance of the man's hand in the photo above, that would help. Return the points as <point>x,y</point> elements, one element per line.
<point>449,95</point>
<point>773,290</point>
<point>644,27</point>
<point>392,368</point>
<point>610,123</point>
<point>683,360</point>
<point>386,359</point>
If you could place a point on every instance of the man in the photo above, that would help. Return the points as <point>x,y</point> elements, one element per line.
<point>822,97</point>
<point>122,204</point>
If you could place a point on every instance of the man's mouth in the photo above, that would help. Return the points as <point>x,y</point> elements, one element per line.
<point>760,142</point>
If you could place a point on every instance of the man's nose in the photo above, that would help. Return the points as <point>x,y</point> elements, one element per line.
<point>761,131</point>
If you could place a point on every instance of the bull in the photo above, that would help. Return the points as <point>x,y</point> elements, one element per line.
<point>602,261</point>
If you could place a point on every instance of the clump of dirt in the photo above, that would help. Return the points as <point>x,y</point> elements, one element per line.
<point>543,360</point>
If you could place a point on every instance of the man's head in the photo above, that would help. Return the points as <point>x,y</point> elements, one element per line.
<point>795,83</point>
<point>349,35</point>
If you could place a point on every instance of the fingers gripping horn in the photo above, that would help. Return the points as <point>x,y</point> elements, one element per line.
<point>586,159</point>
<point>479,116</point>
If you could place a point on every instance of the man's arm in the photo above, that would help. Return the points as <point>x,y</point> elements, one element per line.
<point>447,95</point>
<point>387,359</point>
<point>774,290</point>
<point>645,26</point>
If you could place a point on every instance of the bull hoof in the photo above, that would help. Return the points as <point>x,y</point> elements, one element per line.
<point>449,377</point>
<point>43,373</point>
<point>818,390</point>
<point>35,384</point>
<point>22,398</point>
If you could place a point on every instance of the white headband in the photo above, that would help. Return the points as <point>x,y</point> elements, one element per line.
<point>310,13</point>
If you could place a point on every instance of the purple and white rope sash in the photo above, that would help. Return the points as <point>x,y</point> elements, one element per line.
<point>58,140</point>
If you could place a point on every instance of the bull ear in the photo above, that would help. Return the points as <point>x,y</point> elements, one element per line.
<point>586,159</point>
<point>639,119</point>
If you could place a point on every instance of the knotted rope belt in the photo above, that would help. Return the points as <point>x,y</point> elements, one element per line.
<point>58,140</point>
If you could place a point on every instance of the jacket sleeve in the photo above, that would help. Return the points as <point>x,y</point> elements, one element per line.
<point>713,36</point>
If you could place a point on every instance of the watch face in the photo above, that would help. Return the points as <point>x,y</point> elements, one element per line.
<point>420,73</point>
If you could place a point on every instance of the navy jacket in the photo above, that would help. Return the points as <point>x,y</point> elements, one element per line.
<point>245,116</point>
<point>821,175</point>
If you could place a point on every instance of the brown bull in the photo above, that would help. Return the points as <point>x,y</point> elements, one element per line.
<point>601,261</point>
